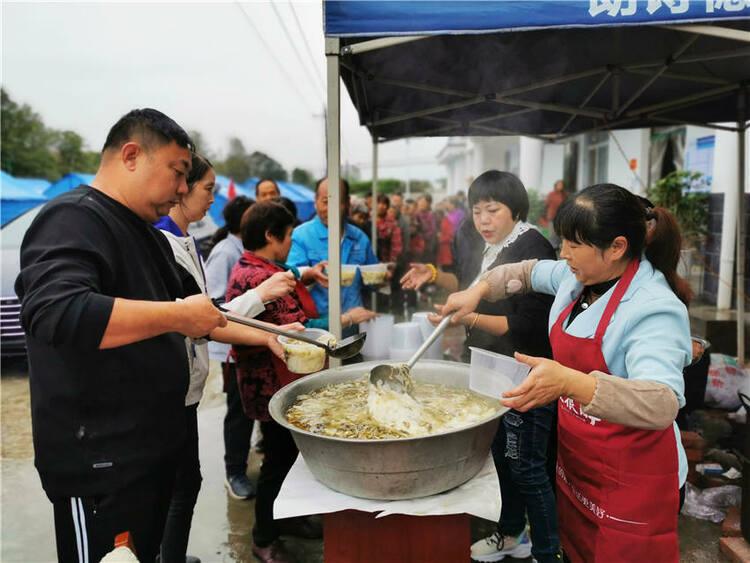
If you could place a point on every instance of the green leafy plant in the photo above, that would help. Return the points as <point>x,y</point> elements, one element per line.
<point>690,208</point>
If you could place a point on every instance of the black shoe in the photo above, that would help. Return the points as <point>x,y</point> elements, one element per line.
<point>239,487</point>
<point>192,559</point>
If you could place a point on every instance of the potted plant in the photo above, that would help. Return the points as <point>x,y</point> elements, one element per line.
<point>683,193</point>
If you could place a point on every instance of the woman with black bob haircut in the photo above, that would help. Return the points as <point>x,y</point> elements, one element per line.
<point>620,336</point>
<point>499,234</point>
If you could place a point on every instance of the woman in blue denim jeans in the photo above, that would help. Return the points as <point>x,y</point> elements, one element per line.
<point>497,233</point>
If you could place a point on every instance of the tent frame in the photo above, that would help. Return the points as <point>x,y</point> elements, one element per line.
<point>617,115</point>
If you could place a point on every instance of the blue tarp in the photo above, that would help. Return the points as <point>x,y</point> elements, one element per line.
<point>302,196</point>
<point>66,183</point>
<point>18,196</point>
<point>344,18</point>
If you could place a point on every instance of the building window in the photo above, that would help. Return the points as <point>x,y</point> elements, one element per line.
<point>598,157</point>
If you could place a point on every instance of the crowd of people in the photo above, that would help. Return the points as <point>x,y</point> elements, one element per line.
<point>123,318</point>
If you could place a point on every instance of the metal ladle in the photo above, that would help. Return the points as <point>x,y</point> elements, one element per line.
<point>396,376</point>
<point>347,348</point>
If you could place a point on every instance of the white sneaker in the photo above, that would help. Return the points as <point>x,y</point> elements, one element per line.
<point>496,547</point>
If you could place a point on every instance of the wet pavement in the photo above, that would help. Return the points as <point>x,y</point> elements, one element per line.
<point>221,525</point>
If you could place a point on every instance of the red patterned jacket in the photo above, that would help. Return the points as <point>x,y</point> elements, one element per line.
<point>257,372</point>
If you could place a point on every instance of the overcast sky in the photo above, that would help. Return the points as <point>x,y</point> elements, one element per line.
<point>224,69</point>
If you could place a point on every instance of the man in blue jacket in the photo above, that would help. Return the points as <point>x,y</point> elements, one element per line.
<point>309,253</point>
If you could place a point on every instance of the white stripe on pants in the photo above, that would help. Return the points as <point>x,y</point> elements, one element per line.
<point>79,522</point>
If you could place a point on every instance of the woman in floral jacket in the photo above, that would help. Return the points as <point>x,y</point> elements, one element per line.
<point>266,236</point>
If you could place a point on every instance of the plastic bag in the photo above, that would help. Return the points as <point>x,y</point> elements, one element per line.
<point>725,379</point>
<point>710,504</point>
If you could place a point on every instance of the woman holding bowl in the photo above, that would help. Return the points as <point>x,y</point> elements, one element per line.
<point>499,234</point>
<point>620,337</point>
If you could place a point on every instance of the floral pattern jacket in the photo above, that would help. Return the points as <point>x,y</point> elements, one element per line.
<point>257,367</point>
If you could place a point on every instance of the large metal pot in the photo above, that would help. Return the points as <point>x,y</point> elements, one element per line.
<point>394,468</point>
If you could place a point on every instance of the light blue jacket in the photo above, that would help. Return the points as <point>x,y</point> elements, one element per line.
<point>648,337</point>
<point>310,246</point>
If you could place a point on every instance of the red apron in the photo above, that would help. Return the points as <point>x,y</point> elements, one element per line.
<point>618,486</point>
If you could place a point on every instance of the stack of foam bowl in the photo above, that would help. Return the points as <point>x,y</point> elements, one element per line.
<point>378,342</point>
<point>434,352</point>
<point>406,338</point>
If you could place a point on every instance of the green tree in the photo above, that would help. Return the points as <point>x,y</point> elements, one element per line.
<point>26,142</point>
<point>385,186</point>
<point>263,166</point>
<point>235,165</point>
<point>304,177</point>
<point>71,156</point>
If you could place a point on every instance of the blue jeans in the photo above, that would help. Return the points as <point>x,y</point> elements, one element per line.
<point>520,451</point>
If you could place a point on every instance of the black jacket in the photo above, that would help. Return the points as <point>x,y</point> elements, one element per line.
<point>100,418</point>
<point>527,314</point>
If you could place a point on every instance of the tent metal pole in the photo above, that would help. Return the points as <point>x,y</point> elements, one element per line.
<point>426,112</point>
<point>712,30</point>
<point>666,106</point>
<point>585,102</point>
<point>333,129</point>
<point>726,54</point>
<point>374,44</point>
<point>671,60</point>
<point>696,123</point>
<point>511,92</point>
<point>680,76</point>
<point>740,264</point>
<point>374,218</point>
<point>425,133</point>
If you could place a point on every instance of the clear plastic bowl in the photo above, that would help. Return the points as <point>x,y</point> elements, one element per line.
<point>493,374</point>
<point>302,357</point>
<point>406,335</point>
<point>373,274</point>
<point>348,273</point>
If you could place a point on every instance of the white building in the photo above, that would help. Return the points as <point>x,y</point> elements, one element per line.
<point>632,158</point>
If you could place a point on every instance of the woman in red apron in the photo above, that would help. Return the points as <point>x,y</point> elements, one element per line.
<point>620,337</point>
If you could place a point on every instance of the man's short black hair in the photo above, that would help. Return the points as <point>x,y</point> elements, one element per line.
<point>344,182</point>
<point>151,127</point>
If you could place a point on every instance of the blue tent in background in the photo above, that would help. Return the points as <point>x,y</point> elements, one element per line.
<point>19,195</point>
<point>66,183</point>
<point>302,196</point>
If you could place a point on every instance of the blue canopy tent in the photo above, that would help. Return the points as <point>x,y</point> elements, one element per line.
<point>302,196</point>
<point>545,69</point>
<point>18,196</point>
<point>66,183</point>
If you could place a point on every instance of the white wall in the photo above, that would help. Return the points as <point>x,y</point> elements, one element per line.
<point>552,166</point>
<point>618,166</point>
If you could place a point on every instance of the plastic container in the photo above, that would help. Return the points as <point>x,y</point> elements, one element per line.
<point>493,374</point>
<point>401,354</point>
<point>373,274</point>
<point>378,342</point>
<point>348,273</point>
<point>434,352</point>
<point>406,336</point>
<point>302,357</point>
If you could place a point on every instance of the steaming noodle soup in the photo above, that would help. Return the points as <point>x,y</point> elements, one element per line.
<point>358,409</point>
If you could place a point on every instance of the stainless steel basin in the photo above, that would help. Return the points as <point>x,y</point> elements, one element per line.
<point>395,468</point>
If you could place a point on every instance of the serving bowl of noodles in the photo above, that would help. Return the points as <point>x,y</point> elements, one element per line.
<point>409,451</point>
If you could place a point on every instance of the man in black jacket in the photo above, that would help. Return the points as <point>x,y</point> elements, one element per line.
<point>106,310</point>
